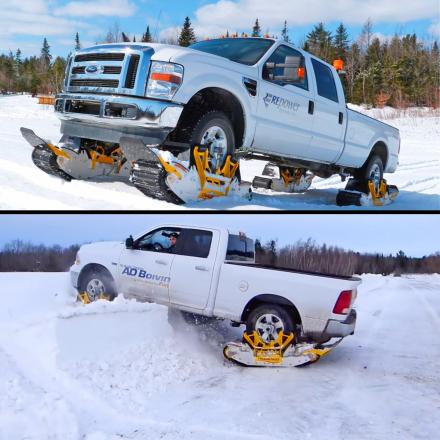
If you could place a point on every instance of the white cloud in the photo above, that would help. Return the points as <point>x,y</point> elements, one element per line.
<point>108,8</point>
<point>434,29</point>
<point>240,14</point>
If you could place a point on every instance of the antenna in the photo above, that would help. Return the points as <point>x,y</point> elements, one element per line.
<point>157,25</point>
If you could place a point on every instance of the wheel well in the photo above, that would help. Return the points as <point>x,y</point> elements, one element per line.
<point>382,151</point>
<point>93,267</point>
<point>209,99</point>
<point>271,299</point>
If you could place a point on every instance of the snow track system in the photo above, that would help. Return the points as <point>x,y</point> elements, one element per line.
<point>283,352</point>
<point>159,174</point>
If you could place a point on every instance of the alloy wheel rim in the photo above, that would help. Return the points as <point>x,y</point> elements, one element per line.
<point>215,138</point>
<point>95,289</point>
<point>269,326</point>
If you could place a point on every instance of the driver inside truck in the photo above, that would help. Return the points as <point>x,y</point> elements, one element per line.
<point>173,240</point>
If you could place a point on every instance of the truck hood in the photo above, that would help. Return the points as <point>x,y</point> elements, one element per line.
<point>102,247</point>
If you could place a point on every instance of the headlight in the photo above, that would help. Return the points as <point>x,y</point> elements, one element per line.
<point>164,80</point>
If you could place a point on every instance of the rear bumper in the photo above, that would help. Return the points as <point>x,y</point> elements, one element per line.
<point>340,329</point>
<point>108,117</point>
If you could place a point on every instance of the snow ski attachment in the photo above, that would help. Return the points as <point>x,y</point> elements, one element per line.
<point>284,179</point>
<point>283,352</point>
<point>367,193</point>
<point>45,155</point>
<point>160,175</point>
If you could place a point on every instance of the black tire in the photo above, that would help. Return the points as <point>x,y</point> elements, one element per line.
<point>104,277</point>
<point>365,173</point>
<point>280,312</point>
<point>213,119</point>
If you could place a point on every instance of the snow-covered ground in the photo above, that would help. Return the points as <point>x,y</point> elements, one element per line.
<point>23,186</point>
<point>119,370</point>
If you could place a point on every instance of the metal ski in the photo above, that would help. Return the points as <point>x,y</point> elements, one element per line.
<point>283,352</point>
<point>367,193</point>
<point>45,155</point>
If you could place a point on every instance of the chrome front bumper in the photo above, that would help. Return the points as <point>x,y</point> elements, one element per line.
<point>108,117</point>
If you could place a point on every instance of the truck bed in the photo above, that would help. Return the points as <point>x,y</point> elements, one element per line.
<point>286,269</point>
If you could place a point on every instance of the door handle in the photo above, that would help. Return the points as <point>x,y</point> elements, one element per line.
<point>163,263</point>
<point>311,107</point>
<point>341,118</point>
<point>202,268</point>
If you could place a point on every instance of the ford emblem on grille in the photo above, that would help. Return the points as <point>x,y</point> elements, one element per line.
<point>94,69</point>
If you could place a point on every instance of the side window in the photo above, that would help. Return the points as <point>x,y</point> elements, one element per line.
<point>159,240</point>
<point>195,243</point>
<point>240,249</point>
<point>286,66</point>
<point>325,81</point>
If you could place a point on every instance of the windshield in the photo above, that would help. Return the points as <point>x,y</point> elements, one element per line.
<point>241,50</point>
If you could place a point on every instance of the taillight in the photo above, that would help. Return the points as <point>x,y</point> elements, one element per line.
<point>343,303</point>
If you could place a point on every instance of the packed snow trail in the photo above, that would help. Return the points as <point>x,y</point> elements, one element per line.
<point>23,186</point>
<point>123,370</point>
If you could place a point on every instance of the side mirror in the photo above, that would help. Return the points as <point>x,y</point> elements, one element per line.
<point>129,242</point>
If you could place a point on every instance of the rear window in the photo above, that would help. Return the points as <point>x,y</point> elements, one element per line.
<point>240,248</point>
<point>325,81</point>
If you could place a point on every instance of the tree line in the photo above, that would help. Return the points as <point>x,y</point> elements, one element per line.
<point>400,72</point>
<point>305,255</point>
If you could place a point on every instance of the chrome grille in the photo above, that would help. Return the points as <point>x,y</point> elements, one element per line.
<point>108,70</point>
<point>120,70</point>
<point>99,57</point>
<point>132,70</point>
<point>111,83</point>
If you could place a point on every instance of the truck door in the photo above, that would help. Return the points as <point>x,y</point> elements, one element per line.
<point>193,267</point>
<point>144,270</point>
<point>330,116</point>
<point>285,106</point>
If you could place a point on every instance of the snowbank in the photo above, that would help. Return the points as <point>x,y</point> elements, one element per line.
<point>23,186</point>
<point>123,370</point>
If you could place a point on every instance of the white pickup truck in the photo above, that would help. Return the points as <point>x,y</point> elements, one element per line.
<point>211,272</point>
<point>249,97</point>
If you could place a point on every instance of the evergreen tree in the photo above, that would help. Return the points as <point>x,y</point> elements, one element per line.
<point>285,33</point>
<point>125,38</point>
<point>341,42</point>
<point>45,54</point>
<point>77,42</point>
<point>187,35</point>
<point>146,38</point>
<point>256,30</point>
<point>134,39</point>
<point>319,42</point>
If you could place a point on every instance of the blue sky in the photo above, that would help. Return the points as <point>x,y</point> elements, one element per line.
<point>414,234</point>
<point>24,23</point>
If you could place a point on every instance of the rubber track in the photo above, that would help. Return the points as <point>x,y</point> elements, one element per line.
<point>149,178</point>
<point>45,159</point>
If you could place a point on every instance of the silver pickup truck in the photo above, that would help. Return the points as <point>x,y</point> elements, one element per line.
<point>246,97</point>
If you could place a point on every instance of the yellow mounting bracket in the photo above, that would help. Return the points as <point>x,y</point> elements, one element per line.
<point>58,152</point>
<point>377,196</point>
<point>288,177</point>
<point>269,352</point>
<point>213,184</point>
<point>85,298</point>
